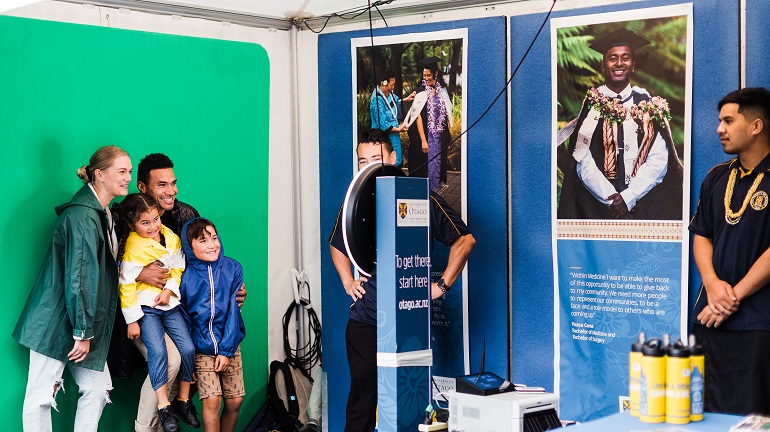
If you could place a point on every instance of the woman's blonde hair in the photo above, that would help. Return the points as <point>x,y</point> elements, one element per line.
<point>100,160</point>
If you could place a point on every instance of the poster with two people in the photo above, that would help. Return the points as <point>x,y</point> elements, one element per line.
<point>413,85</point>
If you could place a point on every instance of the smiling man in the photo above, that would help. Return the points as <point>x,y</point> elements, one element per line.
<point>620,166</point>
<point>156,178</point>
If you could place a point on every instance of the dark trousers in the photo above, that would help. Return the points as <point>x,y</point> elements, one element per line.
<point>737,377</point>
<point>361,343</point>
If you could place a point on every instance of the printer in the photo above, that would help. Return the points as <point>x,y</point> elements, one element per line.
<point>504,412</point>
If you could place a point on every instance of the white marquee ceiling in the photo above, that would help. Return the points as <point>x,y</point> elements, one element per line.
<point>274,13</point>
<point>285,8</point>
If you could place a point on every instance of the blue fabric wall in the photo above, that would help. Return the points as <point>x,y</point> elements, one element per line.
<point>487,155</point>
<point>715,73</point>
<point>757,44</point>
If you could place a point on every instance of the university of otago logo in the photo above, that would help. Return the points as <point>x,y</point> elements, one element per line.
<point>759,200</point>
<point>412,213</point>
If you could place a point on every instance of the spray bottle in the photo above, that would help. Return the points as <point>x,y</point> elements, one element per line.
<point>678,384</point>
<point>635,374</point>
<point>652,403</point>
<point>697,380</point>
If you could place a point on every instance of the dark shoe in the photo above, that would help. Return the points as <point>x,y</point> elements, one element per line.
<point>186,412</point>
<point>167,420</point>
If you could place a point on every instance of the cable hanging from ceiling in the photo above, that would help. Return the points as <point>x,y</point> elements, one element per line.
<point>348,14</point>
<point>500,94</point>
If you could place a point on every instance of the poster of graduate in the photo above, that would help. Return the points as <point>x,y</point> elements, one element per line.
<point>412,86</point>
<point>621,149</point>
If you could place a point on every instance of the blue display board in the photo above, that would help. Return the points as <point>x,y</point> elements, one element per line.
<point>757,44</point>
<point>403,302</point>
<point>486,191</point>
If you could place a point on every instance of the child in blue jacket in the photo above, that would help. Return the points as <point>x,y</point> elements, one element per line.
<point>208,292</point>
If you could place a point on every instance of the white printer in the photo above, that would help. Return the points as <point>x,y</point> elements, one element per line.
<point>504,412</point>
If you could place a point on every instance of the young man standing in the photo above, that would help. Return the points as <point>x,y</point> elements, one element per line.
<point>731,247</point>
<point>361,333</point>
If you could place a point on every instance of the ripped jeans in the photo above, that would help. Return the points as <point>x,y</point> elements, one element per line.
<point>45,380</point>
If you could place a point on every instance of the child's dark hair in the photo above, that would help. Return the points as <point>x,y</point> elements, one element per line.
<point>131,209</point>
<point>196,228</point>
<point>134,205</point>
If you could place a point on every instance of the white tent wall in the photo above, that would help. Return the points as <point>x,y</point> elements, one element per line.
<point>281,212</point>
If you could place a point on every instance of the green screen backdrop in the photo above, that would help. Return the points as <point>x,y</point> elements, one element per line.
<point>66,90</point>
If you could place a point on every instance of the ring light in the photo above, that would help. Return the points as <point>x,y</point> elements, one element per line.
<point>359,216</point>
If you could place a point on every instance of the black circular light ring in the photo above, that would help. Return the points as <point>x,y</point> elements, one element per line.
<point>359,216</point>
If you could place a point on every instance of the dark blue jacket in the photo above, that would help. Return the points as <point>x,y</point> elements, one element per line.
<point>208,298</point>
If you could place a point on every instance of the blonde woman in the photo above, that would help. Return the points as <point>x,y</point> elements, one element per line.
<point>69,314</point>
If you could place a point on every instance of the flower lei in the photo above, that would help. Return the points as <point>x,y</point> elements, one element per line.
<point>611,109</point>
<point>656,108</point>
<point>436,110</point>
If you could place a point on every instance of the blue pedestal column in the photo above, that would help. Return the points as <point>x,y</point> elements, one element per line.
<point>403,302</point>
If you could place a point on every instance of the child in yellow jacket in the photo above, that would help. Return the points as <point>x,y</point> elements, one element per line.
<point>151,312</point>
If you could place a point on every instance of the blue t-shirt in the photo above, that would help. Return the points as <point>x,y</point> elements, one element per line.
<point>446,226</point>
<point>736,246</point>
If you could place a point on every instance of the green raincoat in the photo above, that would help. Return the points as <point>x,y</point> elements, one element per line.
<point>77,288</point>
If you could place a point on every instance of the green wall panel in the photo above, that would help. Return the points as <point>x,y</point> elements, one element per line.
<point>66,90</point>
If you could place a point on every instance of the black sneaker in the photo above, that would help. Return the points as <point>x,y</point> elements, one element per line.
<point>186,412</point>
<point>167,419</point>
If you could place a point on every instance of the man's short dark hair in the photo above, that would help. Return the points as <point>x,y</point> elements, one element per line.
<point>375,136</point>
<point>152,162</point>
<point>752,102</point>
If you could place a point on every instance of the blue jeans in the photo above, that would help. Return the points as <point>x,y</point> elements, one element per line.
<point>154,324</point>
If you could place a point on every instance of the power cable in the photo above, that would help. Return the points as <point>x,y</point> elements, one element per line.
<point>348,14</point>
<point>312,348</point>
<point>507,83</point>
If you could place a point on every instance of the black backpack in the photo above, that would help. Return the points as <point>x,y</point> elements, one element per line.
<point>288,390</point>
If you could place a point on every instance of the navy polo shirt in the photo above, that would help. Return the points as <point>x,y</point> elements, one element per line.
<point>446,226</point>
<point>736,247</point>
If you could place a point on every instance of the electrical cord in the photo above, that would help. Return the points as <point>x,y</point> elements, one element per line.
<point>348,14</point>
<point>356,12</point>
<point>438,393</point>
<point>507,83</point>
<point>311,349</point>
